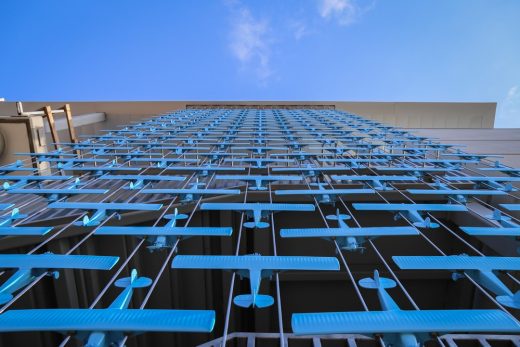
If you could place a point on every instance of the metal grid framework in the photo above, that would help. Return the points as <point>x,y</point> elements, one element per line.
<point>324,158</point>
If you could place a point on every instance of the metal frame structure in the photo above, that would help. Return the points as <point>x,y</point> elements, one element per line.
<point>319,145</point>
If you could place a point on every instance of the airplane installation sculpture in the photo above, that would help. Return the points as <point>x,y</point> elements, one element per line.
<point>210,188</point>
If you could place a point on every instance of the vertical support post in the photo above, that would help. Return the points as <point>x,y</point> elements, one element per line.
<point>50,118</point>
<point>72,131</point>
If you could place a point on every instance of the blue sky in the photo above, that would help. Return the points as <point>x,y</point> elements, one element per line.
<point>361,50</point>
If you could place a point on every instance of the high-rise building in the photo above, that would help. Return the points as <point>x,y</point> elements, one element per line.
<point>265,224</point>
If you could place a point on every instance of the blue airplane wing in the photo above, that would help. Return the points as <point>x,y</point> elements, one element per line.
<point>169,160</point>
<point>143,177</point>
<point>259,177</point>
<point>502,169</point>
<point>165,231</point>
<point>323,191</point>
<point>491,231</point>
<point>5,206</point>
<point>112,206</point>
<point>101,168</point>
<point>457,262</point>
<point>445,161</point>
<point>408,207</point>
<point>35,178</point>
<point>219,206</point>
<point>396,321</point>
<point>191,191</point>
<point>338,232</point>
<point>455,192</point>
<point>72,160</point>
<point>57,261</point>
<point>240,262</point>
<point>511,207</point>
<point>19,231</point>
<point>352,160</point>
<point>205,168</point>
<point>483,178</point>
<point>70,191</point>
<point>306,168</point>
<point>412,168</point>
<point>372,178</point>
<point>107,320</point>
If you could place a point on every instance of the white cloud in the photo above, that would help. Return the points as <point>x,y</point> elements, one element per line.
<point>345,12</point>
<point>250,42</point>
<point>299,29</point>
<point>509,109</point>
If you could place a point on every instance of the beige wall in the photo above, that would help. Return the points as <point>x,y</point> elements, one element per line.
<point>402,114</point>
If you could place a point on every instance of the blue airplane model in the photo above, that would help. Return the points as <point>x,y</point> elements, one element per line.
<point>411,211</point>
<point>348,239</point>
<point>401,328</point>
<point>30,266</point>
<point>258,180</point>
<point>54,194</point>
<point>378,182</point>
<point>480,269</point>
<point>204,170</point>
<point>102,209</point>
<point>167,235</point>
<point>24,180</point>
<point>325,196</point>
<point>257,210</point>
<point>500,183</point>
<point>311,171</point>
<point>515,172</point>
<point>459,195</point>
<point>255,267</point>
<point>260,162</point>
<point>191,194</point>
<point>103,169</point>
<point>138,181</point>
<point>107,327</point>
<point>163,162</point>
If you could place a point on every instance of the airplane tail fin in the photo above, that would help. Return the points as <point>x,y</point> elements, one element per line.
<point>377,282</point>
<point>510,301</point>
<point>247,300</point>
<point>259,225</point>
<point>133,281</point>
<point>426,224</point>
<point>176,215</point>
<point>338,216</point>
<point>86,222</point>
<point>15,214</point>
<point>5,298</point>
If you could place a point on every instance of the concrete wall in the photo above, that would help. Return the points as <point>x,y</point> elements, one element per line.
<point>402,114</point>
<point>503,142</point>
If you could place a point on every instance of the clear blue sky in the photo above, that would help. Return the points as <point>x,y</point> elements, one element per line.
<point>367,50</point>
